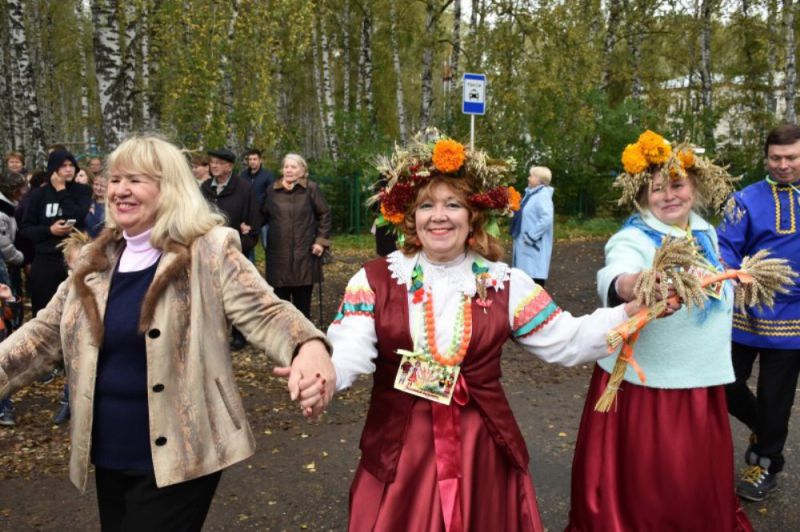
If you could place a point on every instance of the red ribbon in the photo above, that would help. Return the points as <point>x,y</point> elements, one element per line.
<point>447,445</point>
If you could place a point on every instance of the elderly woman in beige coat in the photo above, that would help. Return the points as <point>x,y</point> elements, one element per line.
<point>143,326</point>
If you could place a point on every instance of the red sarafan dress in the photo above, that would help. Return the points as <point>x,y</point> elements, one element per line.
<point>410,443</point>
<point>461,467</point>
<point>634,471</point>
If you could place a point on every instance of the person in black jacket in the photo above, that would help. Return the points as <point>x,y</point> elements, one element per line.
<point>234,197</point>
<point>259,179</point>
<point>53,210</point>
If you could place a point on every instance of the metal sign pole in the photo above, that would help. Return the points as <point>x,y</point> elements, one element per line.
<point>471,132</point>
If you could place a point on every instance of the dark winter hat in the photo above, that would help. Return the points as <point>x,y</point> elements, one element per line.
<point>224,154</point>
<point>57,158</point>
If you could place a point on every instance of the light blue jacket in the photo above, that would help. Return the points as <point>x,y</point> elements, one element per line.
<point>533,246</point>
<point>691,348</point>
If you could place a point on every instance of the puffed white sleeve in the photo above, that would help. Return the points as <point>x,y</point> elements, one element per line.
<point>352,333</point>
<point>553,334</point>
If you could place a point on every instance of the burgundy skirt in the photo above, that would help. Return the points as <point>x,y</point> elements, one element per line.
<point>495,495</point>
<point>659,460</point>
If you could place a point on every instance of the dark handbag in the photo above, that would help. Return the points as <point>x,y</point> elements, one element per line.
<point>327,256</point>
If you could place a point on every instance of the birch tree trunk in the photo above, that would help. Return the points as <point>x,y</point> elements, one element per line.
<point>706,11</point>
<point>790,80</point>
<point>144,52</point>
<point>6,91</point>
<point>327,91</point>
<point>26,78</point>
<point>365,67</point>
<point>225,76</point>
<point>346,51</point>
<point>476,19</point>
<point>634,40</point>
<point>84,89</point>
<point>111,83</point>
<point>316,52</point>
<point>455,55</point>
<point>398,73</point>
<point>610,41</point>
<point>426,101</point>
<point>772,59</point>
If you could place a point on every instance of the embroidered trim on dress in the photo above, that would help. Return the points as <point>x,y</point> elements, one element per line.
<point>402,267</point>
<point>534,312</point>
<point>764,327</point>
<point>792,225</point>
<point>357,301</point>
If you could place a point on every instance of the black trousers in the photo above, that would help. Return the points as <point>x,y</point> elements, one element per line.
<point>767,412</point>
<point>131,501</point>
<point>47,272</point>
<point>299,296</point>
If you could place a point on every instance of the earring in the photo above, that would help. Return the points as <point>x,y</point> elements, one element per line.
<point>471,240</point>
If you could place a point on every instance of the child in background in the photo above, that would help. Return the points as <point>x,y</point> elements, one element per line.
<point>7,418</point>
<point>71,248</point>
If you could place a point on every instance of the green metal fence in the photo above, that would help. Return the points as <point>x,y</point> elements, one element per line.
<point>346,196</point>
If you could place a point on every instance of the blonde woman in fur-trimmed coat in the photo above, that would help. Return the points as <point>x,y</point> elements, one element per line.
<point>143,326</point>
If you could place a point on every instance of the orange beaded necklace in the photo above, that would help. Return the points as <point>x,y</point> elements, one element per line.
<point>458,349</point>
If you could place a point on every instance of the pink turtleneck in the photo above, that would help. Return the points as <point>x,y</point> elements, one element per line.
<point>138,254</point>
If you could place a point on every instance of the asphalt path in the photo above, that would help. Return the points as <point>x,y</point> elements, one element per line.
<point>300,475</point>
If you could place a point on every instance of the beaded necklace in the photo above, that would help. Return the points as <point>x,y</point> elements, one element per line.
<point>458,346</point>
<point>460,342</point>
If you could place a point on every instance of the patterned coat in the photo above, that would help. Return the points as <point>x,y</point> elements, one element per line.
<point>197,420</point>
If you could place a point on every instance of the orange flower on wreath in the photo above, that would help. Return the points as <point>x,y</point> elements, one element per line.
<point>633,160</point>
<point>654,147</point>
<point>686,158</point>
<point>448,156</point>
<point>514,198</point>
<point>391,217</point>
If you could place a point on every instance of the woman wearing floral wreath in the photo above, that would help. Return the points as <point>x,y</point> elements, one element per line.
<point>442,451</point>
<point>662,457</point>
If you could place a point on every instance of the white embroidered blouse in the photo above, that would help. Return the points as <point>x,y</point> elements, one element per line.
<point>536,322</point>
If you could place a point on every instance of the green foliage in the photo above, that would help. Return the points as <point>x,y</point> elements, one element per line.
<point>556,95</point>
<point>566,228</point>
<point>571,228</point>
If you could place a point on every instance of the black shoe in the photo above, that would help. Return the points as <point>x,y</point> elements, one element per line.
<point>7,417</point>
<point>756,483</point>
<point>63,414</point>
<point>47,378</point>
<point>238,343</point>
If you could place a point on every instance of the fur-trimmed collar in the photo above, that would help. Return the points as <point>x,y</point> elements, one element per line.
<point>102,254</point>
<point>278,185</point>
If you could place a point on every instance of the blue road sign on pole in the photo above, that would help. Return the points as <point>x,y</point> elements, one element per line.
<point>474,94</point>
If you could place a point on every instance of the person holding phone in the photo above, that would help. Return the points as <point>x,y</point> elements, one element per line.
<point>53,211</point>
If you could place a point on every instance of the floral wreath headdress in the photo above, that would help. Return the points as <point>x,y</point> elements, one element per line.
<point>652,153</point>
<point>430,153</point>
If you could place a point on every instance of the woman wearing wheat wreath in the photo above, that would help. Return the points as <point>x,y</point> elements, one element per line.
<point>662,458</point>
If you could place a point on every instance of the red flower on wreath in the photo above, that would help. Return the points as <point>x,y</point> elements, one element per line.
<point>495,198</point>
<point>396,200</point>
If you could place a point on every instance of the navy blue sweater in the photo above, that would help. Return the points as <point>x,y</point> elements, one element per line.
<point>121,430</point>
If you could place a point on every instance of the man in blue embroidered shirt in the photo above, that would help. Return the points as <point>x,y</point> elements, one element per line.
<point>765,215</point>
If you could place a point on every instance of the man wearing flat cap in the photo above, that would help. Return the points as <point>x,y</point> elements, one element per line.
<point>234,197</point>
